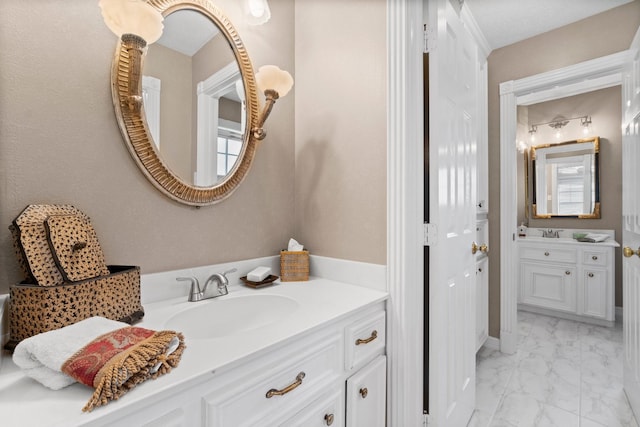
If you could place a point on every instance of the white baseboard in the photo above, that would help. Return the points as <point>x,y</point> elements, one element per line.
<point>492,343</point>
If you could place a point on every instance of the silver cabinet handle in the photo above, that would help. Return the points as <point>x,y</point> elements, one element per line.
<point>568,273</point>
<point>595,258</point>
<point>546,254</point>
<point>590,274</point>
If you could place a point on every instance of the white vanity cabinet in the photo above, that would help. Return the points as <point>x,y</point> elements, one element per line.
<point>482,283</point>
<point>288,367</point>
<point>566,277</point>
<point>301,383</point>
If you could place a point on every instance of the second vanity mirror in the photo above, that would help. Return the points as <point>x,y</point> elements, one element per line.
<point>191,131</point>
<point>565,179</point>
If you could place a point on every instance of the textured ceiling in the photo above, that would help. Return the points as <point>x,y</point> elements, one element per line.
<point>504,22</point>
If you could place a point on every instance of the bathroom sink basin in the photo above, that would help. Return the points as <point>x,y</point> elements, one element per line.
<point>219,317</point>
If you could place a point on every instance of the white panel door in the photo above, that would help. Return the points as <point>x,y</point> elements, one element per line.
<point>453,76</point>
<point>631,227</point>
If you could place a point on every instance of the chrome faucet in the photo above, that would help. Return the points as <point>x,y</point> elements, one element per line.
<point>197,294</point>
<point>551,233</point>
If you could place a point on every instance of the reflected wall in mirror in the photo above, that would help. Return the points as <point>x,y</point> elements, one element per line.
<point>193,99</point>
<point>566,179</point>
<point>192,137</point>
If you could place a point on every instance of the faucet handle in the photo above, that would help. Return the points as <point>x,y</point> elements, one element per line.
<point>193,280</point>
<point>194,292</point>
<point>233,270</point>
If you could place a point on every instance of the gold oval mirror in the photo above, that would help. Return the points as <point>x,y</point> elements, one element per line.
<point>190,132</point>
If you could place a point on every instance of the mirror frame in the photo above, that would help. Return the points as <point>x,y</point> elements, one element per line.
<point>531,172</point>
<point>135,130</point>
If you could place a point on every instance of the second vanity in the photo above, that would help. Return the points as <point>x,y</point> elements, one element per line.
<point>297,354</point>
<point>565,277</point>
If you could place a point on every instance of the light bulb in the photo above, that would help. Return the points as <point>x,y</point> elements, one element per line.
<point>258,12</point>
<point>256,8</point>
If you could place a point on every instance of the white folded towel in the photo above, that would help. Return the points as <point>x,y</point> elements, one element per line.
<point>41,356</point>
<point>112,357</point>
<point>594,238</point>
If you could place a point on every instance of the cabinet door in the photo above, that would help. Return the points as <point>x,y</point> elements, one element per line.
<point>326,411</point>
<point>596,295</point>
<point>482,302</point>
<point>366,395</point>
<point>548,286</point>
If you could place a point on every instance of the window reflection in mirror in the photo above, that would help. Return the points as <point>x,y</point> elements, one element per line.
<point>192,102</point>
<point>565,179</point>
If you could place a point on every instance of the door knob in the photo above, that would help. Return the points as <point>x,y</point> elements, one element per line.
<point>628,252</point>
<point>474,248</point>
<point>484,248</point>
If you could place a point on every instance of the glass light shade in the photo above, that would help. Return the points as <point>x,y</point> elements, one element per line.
<point>132,17</point>
<point>258,12</point>
<point>272,77</point>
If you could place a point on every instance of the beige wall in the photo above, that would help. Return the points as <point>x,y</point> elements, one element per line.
<point>600,35</point>
<point>60,142</point>
<point>341,128</point>
<point>605,108</point>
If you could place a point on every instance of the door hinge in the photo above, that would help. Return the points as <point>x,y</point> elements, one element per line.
<point>430,234</point>
<point>429,42</point>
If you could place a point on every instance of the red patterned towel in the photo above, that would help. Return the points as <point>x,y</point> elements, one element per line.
<point>117,361</point>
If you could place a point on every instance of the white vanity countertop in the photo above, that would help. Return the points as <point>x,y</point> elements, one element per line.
<point>566,241</point>
<point>24,402</point>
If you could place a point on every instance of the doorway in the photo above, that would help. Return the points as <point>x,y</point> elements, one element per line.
<point>577,79</point>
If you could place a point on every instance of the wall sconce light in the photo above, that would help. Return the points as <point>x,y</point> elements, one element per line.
<point>274,83</point>
<point>137,24</point>
<point>258,12</point>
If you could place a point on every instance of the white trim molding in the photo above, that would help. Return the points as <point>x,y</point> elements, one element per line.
<point>405,195</point>
<point>580,78</point>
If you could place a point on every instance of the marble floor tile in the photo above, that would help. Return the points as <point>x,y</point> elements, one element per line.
<point>480,419</point>
<point>522,410</point>
<point>565,373</point>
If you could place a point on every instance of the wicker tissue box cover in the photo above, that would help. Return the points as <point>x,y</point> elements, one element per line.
<point>294,266</point>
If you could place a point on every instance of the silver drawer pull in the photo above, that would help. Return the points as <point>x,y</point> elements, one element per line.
<point>590,274</point>
<point>373,336</point>
<point>595,258</point>
<point>287,389</point>
<point>546,254</point>
<point>568,273</point>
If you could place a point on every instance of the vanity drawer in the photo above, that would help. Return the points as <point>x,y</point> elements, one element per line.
<point>364,339</point>
<point>286,388</point>
<point>548,254</point>
<point>595,257</point>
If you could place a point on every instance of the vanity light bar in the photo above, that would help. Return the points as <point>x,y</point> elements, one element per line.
<point>560,122</point>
